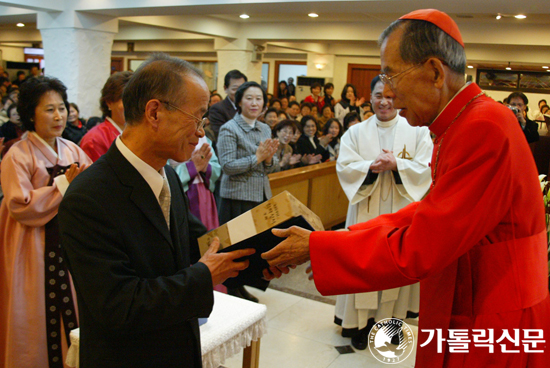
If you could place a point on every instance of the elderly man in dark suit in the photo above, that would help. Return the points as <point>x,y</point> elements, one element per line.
<point>129,238</point>
<point>224,111</point>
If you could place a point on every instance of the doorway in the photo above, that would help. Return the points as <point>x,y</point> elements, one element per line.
<point>360,75</point>
<point>286,69</point>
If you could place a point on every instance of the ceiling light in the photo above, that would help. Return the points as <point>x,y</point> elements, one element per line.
<point>244,16</point>
<point>508,67</point>
<point>313,15</point>
<point>20,25</point>
<point>520,16</point>
<point>499,16</point>
<point>470,66</point>
<point>544,67</point>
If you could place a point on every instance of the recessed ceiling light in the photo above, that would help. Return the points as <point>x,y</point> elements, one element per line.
<point>470,66</point>
<point>520,16</point>
<point>545,67</point>
<point>20,25</point>
<point>244,16</point>
<point>313,15</point>
<point>499,16</point>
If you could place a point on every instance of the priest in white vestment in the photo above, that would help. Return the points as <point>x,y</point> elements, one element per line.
<point>383,166</point>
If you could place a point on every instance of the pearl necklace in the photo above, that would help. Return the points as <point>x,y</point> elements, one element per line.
<point>443,136</point>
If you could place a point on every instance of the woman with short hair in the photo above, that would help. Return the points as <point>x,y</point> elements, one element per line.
<point>246,153</point>
<point>37,299</point>
<point>76,127</point>
<point>99,139</point>
<point>348,103</point>
<point>284,131</point>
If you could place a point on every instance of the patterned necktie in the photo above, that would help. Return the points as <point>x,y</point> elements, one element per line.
<point>164,200</point>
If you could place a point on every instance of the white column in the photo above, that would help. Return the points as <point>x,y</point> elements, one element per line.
<point>77,50</point>
<point>236,54</point>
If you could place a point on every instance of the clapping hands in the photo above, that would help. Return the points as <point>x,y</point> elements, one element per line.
<point>266,150</point>
<point>201,157</point>
<point>289,159</point>
<point>73,171</point>
<point>311,159</point>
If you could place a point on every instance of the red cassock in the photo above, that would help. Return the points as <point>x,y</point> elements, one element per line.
<point>98,140</point>
<point>476,242</point>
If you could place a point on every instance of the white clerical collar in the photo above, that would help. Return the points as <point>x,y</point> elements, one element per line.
<point>154,178</point>
<point>45,143</point>
<point>113,124</point>
<point>250,122</point>
<point>387,124</point>
<point>451,100</point>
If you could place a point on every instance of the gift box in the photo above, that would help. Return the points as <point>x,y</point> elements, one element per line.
<point>253,230</point>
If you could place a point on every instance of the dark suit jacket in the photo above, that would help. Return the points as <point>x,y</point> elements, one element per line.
<point>304,147</point>
<point>138,296</point>
<point>220,114</point>
<point>531,131</point>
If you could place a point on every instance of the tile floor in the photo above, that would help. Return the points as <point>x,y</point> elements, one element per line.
<point>301,334</point>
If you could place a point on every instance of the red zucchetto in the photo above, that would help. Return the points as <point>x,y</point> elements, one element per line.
<point>439,19</point>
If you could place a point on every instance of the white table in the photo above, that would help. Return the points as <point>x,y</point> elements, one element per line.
<point>234,324</point>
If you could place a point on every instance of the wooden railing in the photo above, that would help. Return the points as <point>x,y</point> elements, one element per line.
<point>317,187</point>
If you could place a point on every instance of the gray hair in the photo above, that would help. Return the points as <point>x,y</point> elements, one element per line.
<point>422,40</point>
<point>160,77</point>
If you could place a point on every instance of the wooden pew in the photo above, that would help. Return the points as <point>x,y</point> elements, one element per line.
<point>317,187</point>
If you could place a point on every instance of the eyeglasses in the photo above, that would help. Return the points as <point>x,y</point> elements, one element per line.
<point>388,80</point>
<point>199,122</point>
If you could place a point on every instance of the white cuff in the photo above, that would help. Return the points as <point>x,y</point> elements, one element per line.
<point>61,183</point>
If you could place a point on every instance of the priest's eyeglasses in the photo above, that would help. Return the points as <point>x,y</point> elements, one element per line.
<point>386,79</point>
<point>199,122</point>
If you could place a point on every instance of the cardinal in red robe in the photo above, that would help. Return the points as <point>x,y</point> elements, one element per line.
<point>477,241</point>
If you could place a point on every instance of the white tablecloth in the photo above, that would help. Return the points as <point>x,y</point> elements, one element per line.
<point>232,326</point>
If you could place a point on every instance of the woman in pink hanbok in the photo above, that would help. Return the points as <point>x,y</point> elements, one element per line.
<point>37,308</point>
